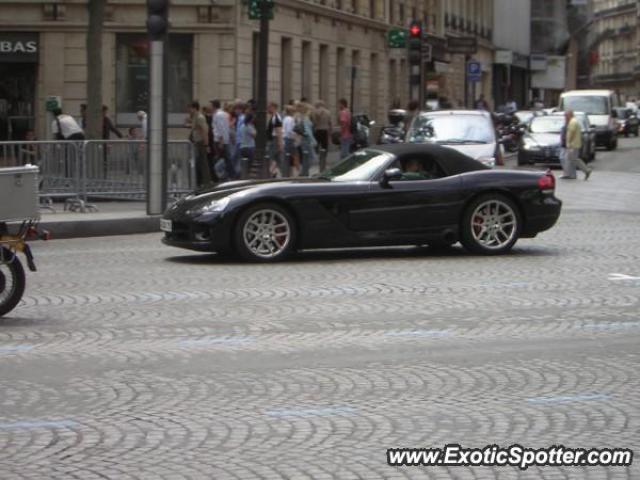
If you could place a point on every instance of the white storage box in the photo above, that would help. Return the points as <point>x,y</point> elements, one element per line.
<point>19,193</point>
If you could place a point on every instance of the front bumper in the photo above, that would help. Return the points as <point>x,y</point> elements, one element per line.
<point>210,236</point>
<point>546,155</point>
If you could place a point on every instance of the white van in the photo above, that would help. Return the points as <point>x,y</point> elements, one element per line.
<point>599,106</point>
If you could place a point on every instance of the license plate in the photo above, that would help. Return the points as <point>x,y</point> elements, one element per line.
<point>166,225</point>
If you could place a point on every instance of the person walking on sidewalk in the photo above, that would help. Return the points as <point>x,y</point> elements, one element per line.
<point>275,143</point>
<point>247,136</point>
<point>308,141</point>
<point>222,138</point>
<point>199,137</point>
<point>288,124</point>
<point>573,142</point>
<point>322,128</point>
<point>346,137</point>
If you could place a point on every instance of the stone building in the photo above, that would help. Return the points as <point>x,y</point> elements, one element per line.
<point>615,49</point>
<point>213,49</point>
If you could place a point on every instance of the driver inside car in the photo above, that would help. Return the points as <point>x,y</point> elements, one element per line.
<point>413,170</point>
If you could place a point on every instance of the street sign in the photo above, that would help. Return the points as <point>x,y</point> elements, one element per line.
<point>397,38</point>
<point>257,7</point>
<point>462,45</point>
<point>53,102</point>
<point>474,71</point>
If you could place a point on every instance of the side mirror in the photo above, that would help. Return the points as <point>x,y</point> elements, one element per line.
<point>389,175</point>
<point>614,114</point>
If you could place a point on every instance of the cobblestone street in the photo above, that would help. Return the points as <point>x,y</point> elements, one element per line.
<point>131,360</point>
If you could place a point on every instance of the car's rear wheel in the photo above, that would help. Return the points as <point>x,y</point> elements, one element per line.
<point>265,233</point>
<point>491,225</point>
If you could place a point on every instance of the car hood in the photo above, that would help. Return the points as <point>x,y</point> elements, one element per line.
<point>544,139</point>
<point>228,188</point>
<point>225,189</point>
<point>599,120</point>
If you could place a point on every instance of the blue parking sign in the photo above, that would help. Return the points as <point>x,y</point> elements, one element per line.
<point>474,71</point>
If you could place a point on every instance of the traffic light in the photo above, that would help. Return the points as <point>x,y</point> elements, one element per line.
<point>415,43</point>
<point>157,18</point>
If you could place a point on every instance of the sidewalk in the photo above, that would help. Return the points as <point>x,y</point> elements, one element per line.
<point>111,218</point>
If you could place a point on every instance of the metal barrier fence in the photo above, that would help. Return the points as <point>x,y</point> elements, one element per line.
<point>98,169</point>
<point>117,169</point>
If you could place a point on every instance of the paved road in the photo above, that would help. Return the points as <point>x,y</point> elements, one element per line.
<point>130,360</point>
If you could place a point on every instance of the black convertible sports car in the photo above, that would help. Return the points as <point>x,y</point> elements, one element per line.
<point>387,195</point>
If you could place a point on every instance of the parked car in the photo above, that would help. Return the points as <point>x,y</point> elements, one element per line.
<point>385,195</point>
<point>628,122</point>
<point>599,105</point>
<point>542,141</point>
<point>469,131</point>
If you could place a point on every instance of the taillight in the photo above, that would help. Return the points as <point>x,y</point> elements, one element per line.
<point>547,182</point>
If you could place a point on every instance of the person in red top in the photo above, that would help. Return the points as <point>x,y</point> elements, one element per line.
<point>346,137</point>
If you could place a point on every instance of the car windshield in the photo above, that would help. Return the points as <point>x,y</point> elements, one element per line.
<point>360,166</point>
<point>451,129</point>
<point>547,124</point>
<point>589,104</point>
<point>623,113</point>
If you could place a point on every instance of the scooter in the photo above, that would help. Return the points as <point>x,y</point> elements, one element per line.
<point>394,132</point>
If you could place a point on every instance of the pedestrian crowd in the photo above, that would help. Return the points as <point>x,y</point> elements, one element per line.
<point>298,136</point>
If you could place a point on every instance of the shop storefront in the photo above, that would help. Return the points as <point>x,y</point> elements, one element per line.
<point>18,80</point>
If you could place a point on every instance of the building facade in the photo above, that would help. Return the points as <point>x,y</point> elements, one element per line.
<point>550,40</point>
<point>512,38</point>
<point>315,45</point>
<point>615,50</point>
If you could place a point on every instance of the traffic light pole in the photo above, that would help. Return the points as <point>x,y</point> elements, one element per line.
<point>261,153</point>
<point>157,166</point>
<point>157,25</point>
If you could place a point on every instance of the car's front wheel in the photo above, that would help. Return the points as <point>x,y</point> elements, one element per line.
<point>491,225</point>
<point>265,233</point>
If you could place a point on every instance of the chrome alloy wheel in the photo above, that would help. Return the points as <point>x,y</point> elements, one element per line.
<point>266,233</point>
<point>493,224</point>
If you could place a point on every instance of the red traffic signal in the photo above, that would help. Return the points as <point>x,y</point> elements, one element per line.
<point>415,30</point>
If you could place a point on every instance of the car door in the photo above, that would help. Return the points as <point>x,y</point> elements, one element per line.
<point>408,209</point>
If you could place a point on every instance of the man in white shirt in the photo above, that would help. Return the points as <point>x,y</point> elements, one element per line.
<point>65,127</point>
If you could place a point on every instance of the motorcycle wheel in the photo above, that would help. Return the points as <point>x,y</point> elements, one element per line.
<point>11,281</point>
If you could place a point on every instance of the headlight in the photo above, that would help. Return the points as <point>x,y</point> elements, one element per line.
<point>213,206</point>
<point>531,146</point>
<point>488,161</point>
